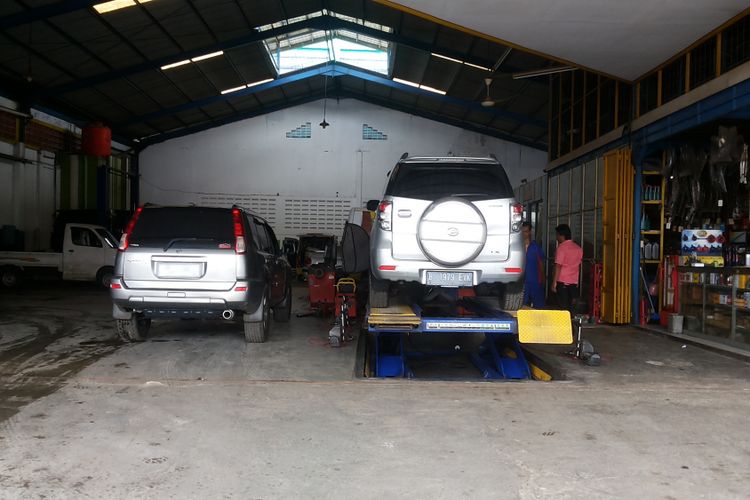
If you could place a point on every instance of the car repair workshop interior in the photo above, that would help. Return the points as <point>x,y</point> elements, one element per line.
<point>338,249</point>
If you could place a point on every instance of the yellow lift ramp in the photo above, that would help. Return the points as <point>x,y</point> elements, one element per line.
<point>499,357</point>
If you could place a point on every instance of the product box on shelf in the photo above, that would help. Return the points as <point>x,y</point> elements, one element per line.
<point>701,260</point>
<point>702,242</point>
<point>719,298</point>
<point>720,320</point>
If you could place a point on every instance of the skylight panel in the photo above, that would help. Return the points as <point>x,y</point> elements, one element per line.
<point>362,22</point>
<point>365,39</point>
<point>307,48</point>
<point>293,20</point>
<point>360,55</point>
<point>300,57</point>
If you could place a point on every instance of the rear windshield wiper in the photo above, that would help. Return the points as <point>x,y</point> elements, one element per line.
<point>469,195</point>
<point>175,240</point>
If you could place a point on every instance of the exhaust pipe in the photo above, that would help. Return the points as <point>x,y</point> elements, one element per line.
<point>227,314</point>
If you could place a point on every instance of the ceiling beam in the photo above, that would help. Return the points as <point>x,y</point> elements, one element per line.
<point>343,69</point>
<point>342,95</point>
<point>242,41</point>
<point>321,23</point>
<point>45,12</point>
<point>244,115</point>
<point>338,69</point>
<point>455,122</point>
<point>323,69</point>
<point>117,136</point>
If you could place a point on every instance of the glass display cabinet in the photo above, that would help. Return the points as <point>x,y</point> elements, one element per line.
<point>715,302</point>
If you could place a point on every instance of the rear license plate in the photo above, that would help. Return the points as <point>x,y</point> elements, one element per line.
<point>449,278</point>
<point>180,270</point>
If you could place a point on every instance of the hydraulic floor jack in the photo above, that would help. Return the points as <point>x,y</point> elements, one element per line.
<point>346,312</point>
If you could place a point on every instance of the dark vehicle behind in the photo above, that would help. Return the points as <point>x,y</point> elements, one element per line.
<point>198,262</point>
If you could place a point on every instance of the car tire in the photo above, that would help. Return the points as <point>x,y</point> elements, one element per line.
<point>134,329</point>
<point>378,292</point>
<point>104,276</point>
<point>256,332</point>
<point>11,277</point>
<point>511,296</point>
<point>283,311</point>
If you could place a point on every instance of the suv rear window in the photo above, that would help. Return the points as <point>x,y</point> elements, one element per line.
<point>430,181</point>
<point>188,226</point>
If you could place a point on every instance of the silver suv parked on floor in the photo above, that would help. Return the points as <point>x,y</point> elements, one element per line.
<point>448,222</point>
<point>198,262</point>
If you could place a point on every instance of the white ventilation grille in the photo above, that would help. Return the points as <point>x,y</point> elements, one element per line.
<point>372,134</point>
<point>304,131</point>
<point>263,205</point>
<point>289,216</point>
<point>316,215</point>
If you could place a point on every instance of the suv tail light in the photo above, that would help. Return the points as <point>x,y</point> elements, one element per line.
<point>385,213</point>
<point>516,216</point>
<point>239,231</point>
<point>125,238</point>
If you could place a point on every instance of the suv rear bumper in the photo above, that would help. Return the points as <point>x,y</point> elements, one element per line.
<point>385,267</point>
<point>139,299</point>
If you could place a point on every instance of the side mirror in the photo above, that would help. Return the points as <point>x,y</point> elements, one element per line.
<point>372,205</point>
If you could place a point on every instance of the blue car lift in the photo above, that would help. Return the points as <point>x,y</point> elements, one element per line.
<point>499,357</point>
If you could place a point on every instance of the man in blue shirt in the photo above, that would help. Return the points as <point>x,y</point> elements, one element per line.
<point>533,293</point>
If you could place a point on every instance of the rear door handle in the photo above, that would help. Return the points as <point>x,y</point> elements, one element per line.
<point>404,213</point>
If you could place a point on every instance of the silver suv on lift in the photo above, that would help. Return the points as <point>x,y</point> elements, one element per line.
<point>199,262</point>
<point>448,222</point>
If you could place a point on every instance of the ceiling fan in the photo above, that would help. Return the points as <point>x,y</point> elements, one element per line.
<point>488,101</point>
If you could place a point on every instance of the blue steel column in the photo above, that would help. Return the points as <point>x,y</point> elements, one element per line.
<point>636,259</point>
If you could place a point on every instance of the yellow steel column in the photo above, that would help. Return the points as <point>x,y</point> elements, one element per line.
<point>618,236</point>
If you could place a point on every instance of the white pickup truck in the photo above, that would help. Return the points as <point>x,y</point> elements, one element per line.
<point>88,254</point>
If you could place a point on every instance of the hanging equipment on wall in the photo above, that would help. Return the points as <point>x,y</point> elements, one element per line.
<point>324,123</point>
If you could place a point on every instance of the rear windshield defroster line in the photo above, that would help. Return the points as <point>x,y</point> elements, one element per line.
<point>427,181</point>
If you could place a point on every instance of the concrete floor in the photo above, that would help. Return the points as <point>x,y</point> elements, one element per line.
<point>195,413</point>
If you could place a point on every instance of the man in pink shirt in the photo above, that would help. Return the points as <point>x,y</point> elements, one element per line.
<point>567,268</point>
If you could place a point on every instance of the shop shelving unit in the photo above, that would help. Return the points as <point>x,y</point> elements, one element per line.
<point>653,208</point>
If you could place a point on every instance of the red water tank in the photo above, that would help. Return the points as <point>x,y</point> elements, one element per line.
<point>96,140</point>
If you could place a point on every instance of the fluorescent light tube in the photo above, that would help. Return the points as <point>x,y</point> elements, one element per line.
<point>207,56</point>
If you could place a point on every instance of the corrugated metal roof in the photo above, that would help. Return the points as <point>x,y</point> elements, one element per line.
<point>106,67</point>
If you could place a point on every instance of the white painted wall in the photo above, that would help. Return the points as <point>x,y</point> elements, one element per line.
<point>255,157</point>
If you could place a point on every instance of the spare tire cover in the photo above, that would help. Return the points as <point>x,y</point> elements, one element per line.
<point>452,232</point>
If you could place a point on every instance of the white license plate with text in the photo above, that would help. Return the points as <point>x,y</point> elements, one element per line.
<point>449,278</point>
